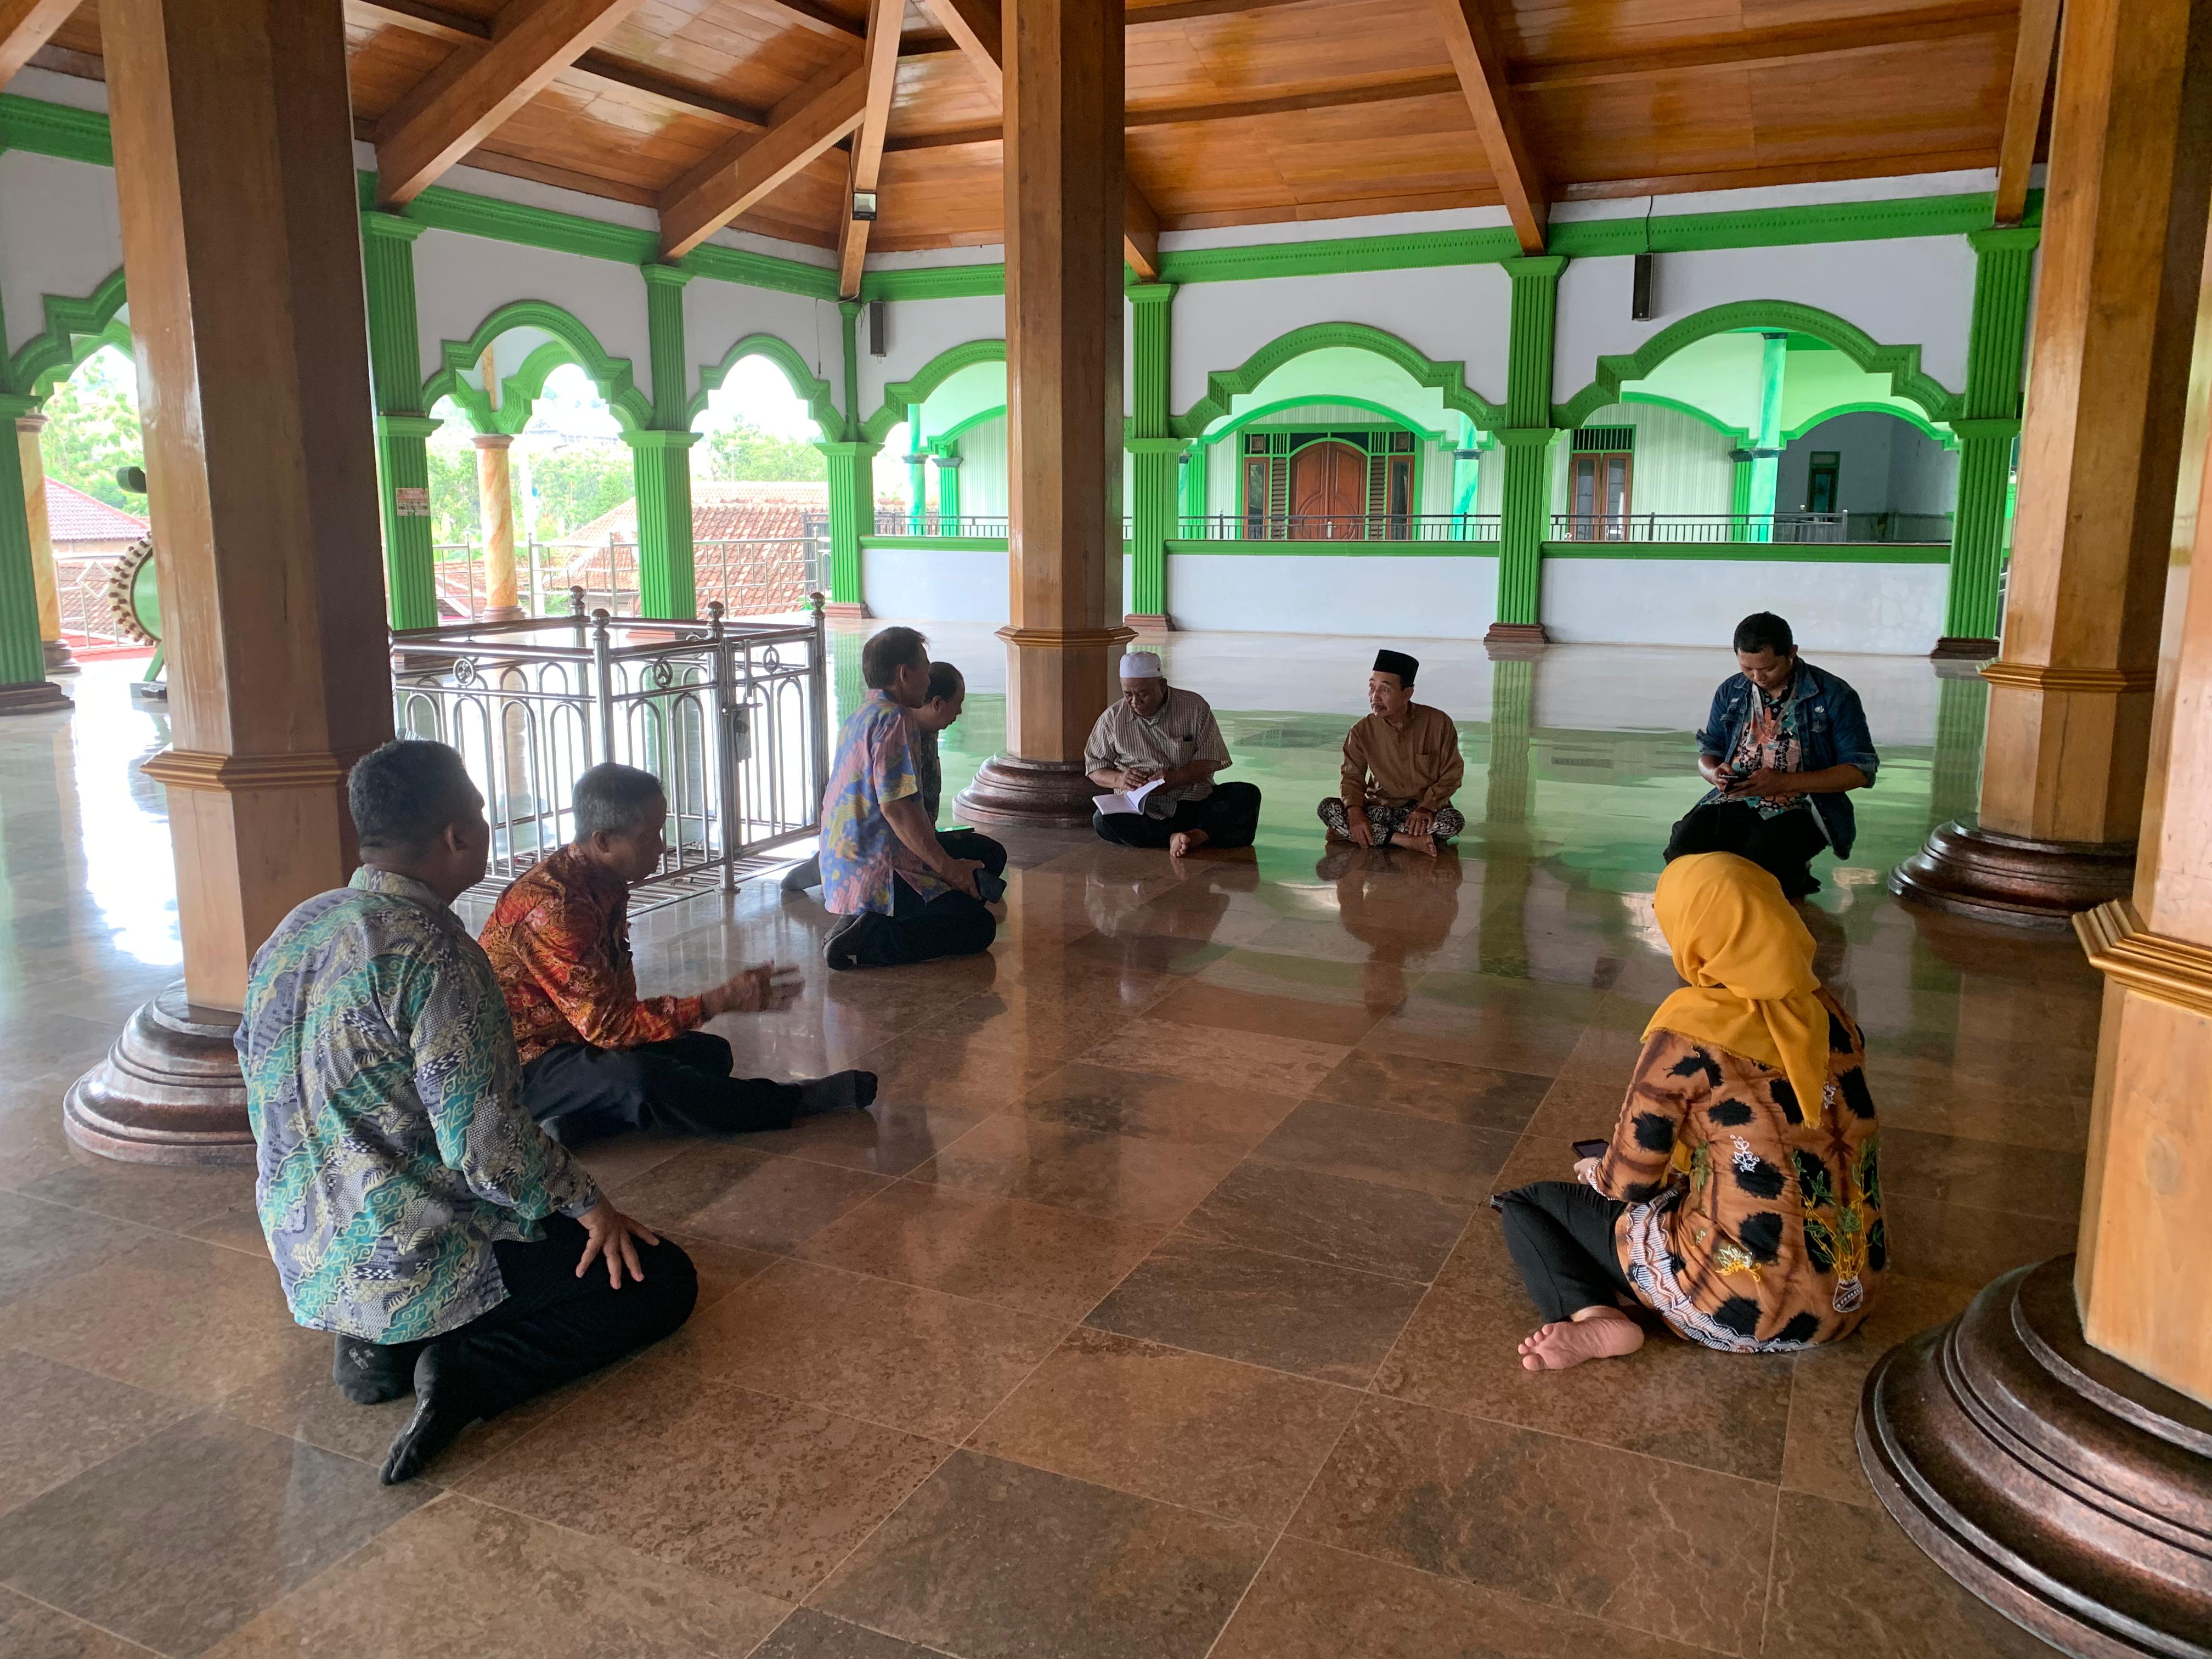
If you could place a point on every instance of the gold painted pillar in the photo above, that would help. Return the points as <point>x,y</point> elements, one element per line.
<point>1064,196</point>
<point>496,510</point>
<point>27,429</point>
<point>234,155</point>
<point>2069,702</point>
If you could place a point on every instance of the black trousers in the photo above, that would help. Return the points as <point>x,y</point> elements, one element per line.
<point>917,930</point>
<point>1229,816</point>
<point>960,843</point>
<point>1784,845</point>
<point>1560,1233</point>
<point>553,1328</point>
<point>577,1092</point>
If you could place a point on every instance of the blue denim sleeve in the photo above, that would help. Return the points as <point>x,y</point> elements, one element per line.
<point>1848,724</point>
<point>1713,739</point>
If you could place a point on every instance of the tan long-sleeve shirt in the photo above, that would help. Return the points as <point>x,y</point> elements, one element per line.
<point>1416,765</point>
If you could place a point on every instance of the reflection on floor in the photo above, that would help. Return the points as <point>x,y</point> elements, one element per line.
<point>1154,1311</point>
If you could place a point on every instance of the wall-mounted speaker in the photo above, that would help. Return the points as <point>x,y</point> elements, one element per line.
<point>879,328</point>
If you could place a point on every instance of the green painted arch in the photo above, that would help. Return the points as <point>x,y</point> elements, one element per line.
<point>960,429</point>
<point>1901,363</point>
<point>1222,386</point>
<point>807,386</point>
<point>1391,416</point>
<point>74,329</point>
<point>1734,434</point>
<point>1911,417</point>
<point>573,342</point>
<point>933,374</point>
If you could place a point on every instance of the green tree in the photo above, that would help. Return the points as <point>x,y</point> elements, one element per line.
<point>93,430</point>
<point>576,483</point>
<point>453,490</point>
<point>746,453</point>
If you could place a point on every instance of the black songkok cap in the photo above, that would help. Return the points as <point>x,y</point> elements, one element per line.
<point>1398,663</point>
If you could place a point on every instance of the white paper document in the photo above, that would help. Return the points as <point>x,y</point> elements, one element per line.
<point>1132,802</point>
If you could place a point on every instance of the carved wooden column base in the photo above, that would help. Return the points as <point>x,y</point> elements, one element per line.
<point>2071,1493</point>
<point>168,1092</point>
<point>60,659</point>
<point>1513,648</point>
<point>503,613</point>
<point>1038,794</point>
<point>1964,648</point>
<point>845,611</point>
<point>1973,872</point>
<point>1501,633</point>
<point>1148,624</point>
<point>38,698</point>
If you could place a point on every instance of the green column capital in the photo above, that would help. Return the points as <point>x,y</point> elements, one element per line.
<point>374,221</point>
<point>1149,294</point>
<point>659,276</point>
<point>2006,239</point>
<point>1524,267</point>
<point>402,425</point>
<point>648,438</point>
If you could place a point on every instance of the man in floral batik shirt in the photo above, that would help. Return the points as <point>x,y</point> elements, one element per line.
<point>903,897</point>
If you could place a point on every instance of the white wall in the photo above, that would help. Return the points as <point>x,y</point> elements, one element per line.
<point>917,331</point>
<point>1879,608</point>
<point>60,233</point>
<point>1924,476</point>
<point>1406,596</point>
<point>934,585</point>
<point>1883,465</point>
<point>461,280</point>
<point>717,315</point>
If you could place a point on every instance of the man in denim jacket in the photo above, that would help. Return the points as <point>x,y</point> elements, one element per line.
<point>1783,744</point>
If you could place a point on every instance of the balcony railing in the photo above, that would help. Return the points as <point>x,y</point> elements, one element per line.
<point>1341,527</point>
<point>733,718</point>
<point>1790,528</point>
<point>892,522</point>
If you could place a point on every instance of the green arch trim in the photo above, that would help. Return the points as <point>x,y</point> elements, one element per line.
<point>959,428</point>
<point>74,329</point>
<point>1224,385</point>
<point>1901,362</point>
<point>1388,413</point>
<point>573,342</point>
<point>805,385</point>
<point>1911,417</point>
<point>1734,434</point>
<point>933,374</point>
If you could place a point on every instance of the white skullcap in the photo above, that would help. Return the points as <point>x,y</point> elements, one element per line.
<point>1142,666</point>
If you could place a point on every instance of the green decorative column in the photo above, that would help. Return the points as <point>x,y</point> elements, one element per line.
<point>666,583</point>
<point>1766,465</point>
<point>1192,466</point>
<point>1153,454</point>
<point>1740,496</point>
<point>946,453</point>
<point>1527,437</point>
<point>917,473</point>
<point>852,515</point>
<point>395,372</point>
<point>1987,424</point>
<point>24,687</point>
<point>1467,482</point>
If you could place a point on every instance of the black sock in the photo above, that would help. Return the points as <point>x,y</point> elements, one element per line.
<point>841,1091</point>
<point>442,1411</point>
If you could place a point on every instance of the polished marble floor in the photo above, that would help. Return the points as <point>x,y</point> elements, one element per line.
<point>1154,1312</point>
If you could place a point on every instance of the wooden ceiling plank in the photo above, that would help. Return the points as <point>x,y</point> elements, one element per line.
<point>520,63</point>
<point>815,19</point>
<point>2031,79</point>
<point>1759,50</point>
<point>24,26</point>
<point>1479,62</point>
<point>416,17</point>
<point>744,171</point>
<point>879,63</point>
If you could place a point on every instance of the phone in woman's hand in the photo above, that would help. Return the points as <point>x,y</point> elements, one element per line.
<point>1590,1148</point>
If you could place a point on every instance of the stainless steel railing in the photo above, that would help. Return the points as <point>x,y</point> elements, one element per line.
<point>733,718</point>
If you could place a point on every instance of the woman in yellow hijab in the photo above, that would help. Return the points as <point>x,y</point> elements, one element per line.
<point>1738,1197</point>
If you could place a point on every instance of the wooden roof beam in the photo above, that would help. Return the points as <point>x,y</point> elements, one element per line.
<point>2031,79</point>
<point>879,63</point>
<point>1479,62</point>
<point>470,104</point>
<point>743,171</point>
<point>26,26</point>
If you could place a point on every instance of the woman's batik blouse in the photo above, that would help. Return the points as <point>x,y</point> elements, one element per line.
<point>1773,1239</point>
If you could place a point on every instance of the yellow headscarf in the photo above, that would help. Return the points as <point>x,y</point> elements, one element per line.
<point>1749,964</point>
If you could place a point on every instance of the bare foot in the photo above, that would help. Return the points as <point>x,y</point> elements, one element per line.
<point>1185,841</point>
<point>1424,845</point>
<point>1593,1334</point>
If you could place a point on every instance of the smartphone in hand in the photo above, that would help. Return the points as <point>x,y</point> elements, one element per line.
<point>1590,1148</point>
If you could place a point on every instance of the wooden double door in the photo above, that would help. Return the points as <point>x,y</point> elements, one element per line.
<point>1328,494</point>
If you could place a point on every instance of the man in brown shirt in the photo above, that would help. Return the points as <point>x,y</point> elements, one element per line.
<point>1401,766</point>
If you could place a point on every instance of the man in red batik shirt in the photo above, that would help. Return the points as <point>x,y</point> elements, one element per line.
<point>596,1056</point>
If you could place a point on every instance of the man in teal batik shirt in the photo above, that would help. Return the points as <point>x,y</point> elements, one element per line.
<point>412,1207</point>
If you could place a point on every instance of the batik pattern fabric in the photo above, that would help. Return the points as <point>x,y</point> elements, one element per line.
<point>1770,738</point>
<point>1384,822</point>
<point>1753,1222</point>
<point>559,940</point>
<point>392,1151</point>
<point>862,854</point>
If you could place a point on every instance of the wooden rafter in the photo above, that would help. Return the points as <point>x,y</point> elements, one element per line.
<point>1479,62</point>
<point>879,63</point>
<point>978,28</point>
<point>2031,79</point>
<point>470,103</point>
<point>744,171</point>
<point>1762,49</point>
<point>26,26</point>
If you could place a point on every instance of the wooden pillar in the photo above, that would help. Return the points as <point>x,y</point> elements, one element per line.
<point>28,430</point>
<point>2070,706</point>
<point>1065,201</point>
<point>2046,1448</point>
<point>233,154</point>
<point>496,512</point>
<point>1527,436</point>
